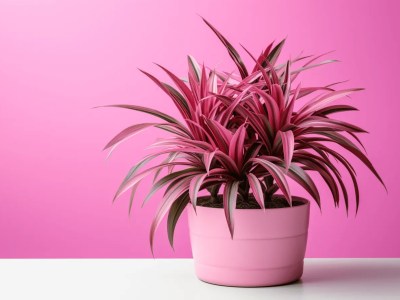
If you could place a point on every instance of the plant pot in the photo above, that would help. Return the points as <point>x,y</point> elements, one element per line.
<point>267,248</point>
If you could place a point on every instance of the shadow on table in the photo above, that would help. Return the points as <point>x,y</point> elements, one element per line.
<point>350,273</point>
<point>344,279</point>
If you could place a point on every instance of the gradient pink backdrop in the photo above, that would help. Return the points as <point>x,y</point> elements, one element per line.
<point>60,58</point>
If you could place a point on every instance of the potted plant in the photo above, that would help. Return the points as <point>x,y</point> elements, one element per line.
<point>228,158</point>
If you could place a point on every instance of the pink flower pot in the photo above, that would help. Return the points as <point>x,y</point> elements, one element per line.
<point>267,249</point>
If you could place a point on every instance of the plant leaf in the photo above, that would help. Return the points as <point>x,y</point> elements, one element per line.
<point>174,214</point>
<point>300,176</point>
<point>207,159</point>
<point>277,174</point>
<point>133,192</point>
<point>232,51</point>
<point>194,68</point>
<point>147,110</point>
<point>347,144</point>
<point>127,133</point>
<point>256,187</point>
<point>236,146</point>
<point>168,178</point>
<point>194,188</point>
<point>182,87</point>
<point>177,98</point>
<point>171,196</point>
<point>322,101</point>
<point>335,109</point>
<point>319,166</point>
<point>229,200</point>
<point>273,56</point>
<point>288,147</point>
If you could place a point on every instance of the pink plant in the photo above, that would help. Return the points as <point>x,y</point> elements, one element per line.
<point>242,135</point>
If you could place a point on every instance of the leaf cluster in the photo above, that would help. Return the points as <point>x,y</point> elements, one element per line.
<point>243,135</point>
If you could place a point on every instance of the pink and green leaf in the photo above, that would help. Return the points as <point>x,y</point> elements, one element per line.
<point>231,50</point>
<point>257,189</point>
<point>229,200</point>
<point>174,214</point>
<point>288,147</point>
<point>194,188</point>
<point>278,176</point>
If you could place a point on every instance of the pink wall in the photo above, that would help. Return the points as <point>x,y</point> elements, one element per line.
<point>60,58</point>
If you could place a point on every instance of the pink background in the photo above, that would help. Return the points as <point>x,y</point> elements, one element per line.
<point>60,58</point>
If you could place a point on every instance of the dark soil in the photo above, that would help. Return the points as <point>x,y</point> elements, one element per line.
<point>251,203</point>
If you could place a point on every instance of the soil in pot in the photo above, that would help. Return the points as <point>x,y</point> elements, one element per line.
<point>251,203</point>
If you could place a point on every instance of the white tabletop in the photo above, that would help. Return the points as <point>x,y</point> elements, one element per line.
<point>174,279</point>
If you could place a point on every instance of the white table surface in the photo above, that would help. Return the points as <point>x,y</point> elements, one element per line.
<point>175,279</point>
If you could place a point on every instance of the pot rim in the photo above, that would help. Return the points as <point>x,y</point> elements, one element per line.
<point>304,201</point>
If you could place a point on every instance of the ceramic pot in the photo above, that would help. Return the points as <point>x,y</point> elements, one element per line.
<point>267,248</point>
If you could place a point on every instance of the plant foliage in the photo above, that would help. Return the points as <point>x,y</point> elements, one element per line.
<point>241,135</point>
